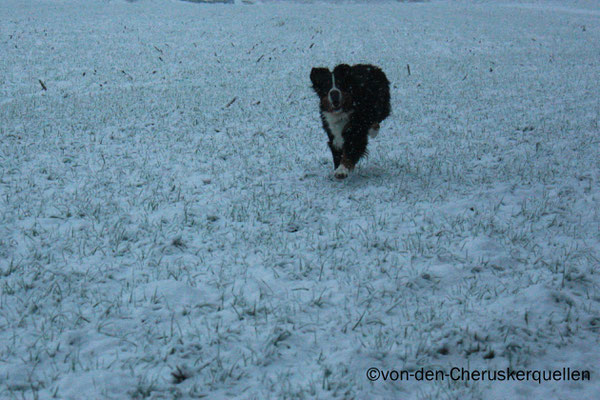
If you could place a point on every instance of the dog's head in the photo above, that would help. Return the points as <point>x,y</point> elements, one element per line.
<point>334,88</point>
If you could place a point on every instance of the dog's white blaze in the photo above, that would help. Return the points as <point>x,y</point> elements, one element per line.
<point>336,123</point>
<point>333,87</point>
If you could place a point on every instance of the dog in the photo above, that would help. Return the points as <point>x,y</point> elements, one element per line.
<point>354,100</point>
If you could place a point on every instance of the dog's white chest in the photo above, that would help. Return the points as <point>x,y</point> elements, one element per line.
<point>337,122</point>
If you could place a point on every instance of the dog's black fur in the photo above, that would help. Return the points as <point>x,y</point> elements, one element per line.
<point>354,100</point>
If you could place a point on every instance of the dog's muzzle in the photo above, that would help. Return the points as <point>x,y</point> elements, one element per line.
<point>335,98</point>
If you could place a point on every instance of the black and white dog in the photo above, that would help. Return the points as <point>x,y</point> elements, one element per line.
<point>354,100</point>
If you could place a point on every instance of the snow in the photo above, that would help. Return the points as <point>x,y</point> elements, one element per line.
<point>170,226</point>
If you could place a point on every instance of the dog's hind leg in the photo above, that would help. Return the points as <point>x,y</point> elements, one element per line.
<point>374,130</point>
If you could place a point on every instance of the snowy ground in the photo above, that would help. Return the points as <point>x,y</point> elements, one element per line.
<point>170,226</point>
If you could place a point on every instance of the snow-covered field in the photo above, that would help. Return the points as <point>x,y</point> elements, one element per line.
<point>170,226</point>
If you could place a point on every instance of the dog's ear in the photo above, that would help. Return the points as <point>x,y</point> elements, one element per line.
<point>319,78</point>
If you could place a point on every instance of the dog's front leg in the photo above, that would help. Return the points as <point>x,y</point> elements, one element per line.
<point>337,155</point>
<point>355,146</point>
<point>345,167</point>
